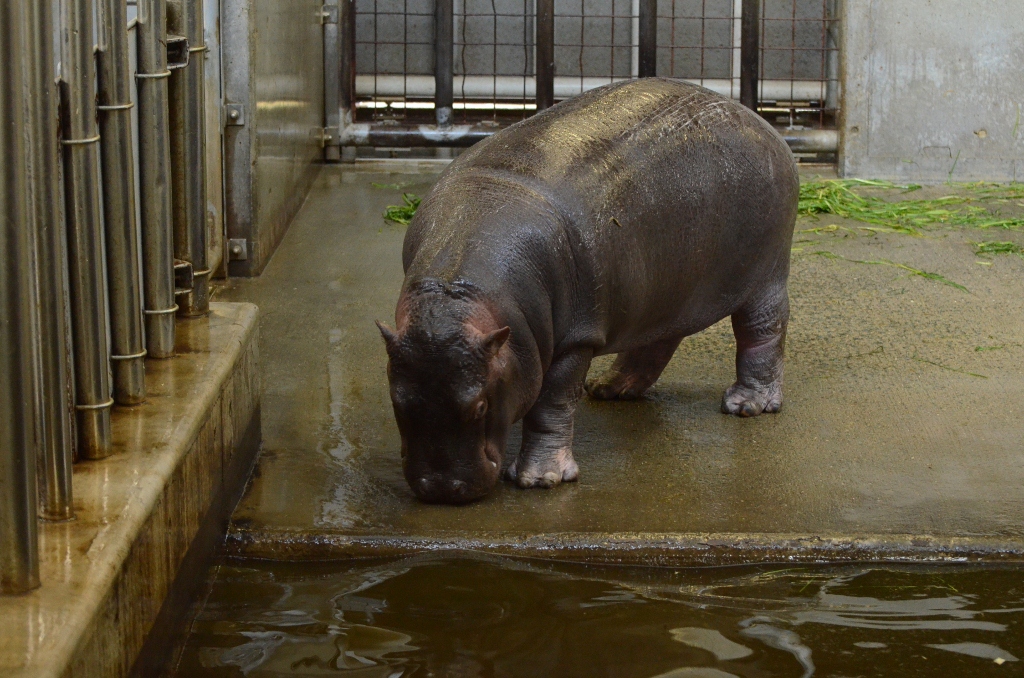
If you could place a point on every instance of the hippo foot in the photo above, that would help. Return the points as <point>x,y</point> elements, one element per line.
<point>614,385</point>
<point>748,402</point>
<point>545,472</point>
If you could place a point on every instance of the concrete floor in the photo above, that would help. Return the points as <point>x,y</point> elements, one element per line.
<point>903,416</point>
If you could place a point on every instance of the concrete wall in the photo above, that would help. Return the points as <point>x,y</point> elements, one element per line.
<point>933,90</point>
<point>273,68</point>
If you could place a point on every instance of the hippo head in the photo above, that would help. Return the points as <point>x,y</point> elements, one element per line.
<point>447,389</point>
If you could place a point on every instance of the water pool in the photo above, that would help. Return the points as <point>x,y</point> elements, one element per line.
<point>460,617</point>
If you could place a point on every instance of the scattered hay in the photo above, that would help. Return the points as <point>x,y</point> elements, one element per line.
<point>993,247</point>
<point>838,197</point>
<point>885,262</point>
<point>403,214</point>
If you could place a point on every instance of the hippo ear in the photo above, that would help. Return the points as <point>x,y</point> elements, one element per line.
<point>493,341</point>
<point>390,337</point>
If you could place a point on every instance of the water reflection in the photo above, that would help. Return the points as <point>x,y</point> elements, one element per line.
<point>473,616</point>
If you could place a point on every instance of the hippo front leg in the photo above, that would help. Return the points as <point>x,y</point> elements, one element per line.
<point>545,458</point>
<point>760,329</point>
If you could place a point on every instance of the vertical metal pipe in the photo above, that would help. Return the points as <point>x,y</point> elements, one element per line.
<point>188,155</point>
<point>545,54</point>
<point>332,75</point>
<point>648,38</point>
<point>347,32</point>
<point>114,88</point>
<point>832,19</point>
<point>85,232</point>
<point>444,36</point>
<point>155,179</point>
<point>56,447</point>
<point>19,546</point>
<point>750,55</point>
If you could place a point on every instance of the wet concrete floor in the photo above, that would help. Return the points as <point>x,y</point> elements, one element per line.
<point>903,415</point>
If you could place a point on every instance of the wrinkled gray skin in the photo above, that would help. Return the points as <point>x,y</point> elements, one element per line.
<point>620,221</point>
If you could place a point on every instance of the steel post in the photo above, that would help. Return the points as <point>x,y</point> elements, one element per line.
<point>85,232</point>
<point>188,156</point>
<point>648,39</point>
<point>19,546</point>
<point>444,27</point>
<point>155,179</point>
<point>545,54</point>
<point>750,53</point>
<point>123,281</point>
<point>832,19</point>
<point>56,446</point>
<point>332,74</point>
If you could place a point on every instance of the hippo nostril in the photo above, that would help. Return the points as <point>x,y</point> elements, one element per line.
<point>458,487</point>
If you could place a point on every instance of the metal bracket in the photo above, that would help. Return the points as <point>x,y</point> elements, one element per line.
<point>238,249</point>
<point>234,114</point>
<point>177,52</point>
<point>183,278</point>
<point>329,14</point>
<point>329,136</point>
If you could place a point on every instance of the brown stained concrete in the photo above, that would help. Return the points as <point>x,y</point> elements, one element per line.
<point>178,459</point>
<point>902,434</point>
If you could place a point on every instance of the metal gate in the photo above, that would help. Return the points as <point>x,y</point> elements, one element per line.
<point>450,72</point>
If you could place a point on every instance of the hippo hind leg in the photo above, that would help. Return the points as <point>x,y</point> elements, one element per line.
<point>760,329</point>
<point>633,372</point>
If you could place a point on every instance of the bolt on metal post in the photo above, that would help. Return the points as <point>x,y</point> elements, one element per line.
<point>123,280</point>
<point>56,448</point>
<point>19,546</point>
<point>188,156</point>
<point>155,179</point>
<point>85,232</point>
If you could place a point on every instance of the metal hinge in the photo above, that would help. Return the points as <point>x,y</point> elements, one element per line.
<point>238,249</point>
<point>329,14</point>
<point>234,114</point>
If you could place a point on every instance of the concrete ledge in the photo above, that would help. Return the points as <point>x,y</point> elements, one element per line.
<point>180,458</point>
<point>662,550</point>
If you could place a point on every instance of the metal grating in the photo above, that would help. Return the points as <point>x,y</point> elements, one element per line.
<point>594,42</point>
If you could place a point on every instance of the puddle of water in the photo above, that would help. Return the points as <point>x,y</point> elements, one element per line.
<point>463,617</point>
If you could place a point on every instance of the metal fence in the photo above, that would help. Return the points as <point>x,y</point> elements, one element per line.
<point>96,260</point>
<point>492,62</point>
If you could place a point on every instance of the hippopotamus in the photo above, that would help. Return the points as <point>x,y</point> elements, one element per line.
<point>616,222</point>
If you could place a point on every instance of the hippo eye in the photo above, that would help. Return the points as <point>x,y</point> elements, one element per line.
<point>480,409</point>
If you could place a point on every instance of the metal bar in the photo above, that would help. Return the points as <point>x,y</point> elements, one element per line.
<point>545,54</point>
<point>411,136</point>
<point>444,37</point>
<point>56,448</point>
<point>85,233</point>
<point>749,53</point>
<point>832,18</point>
<point>511,87</point>
<point>332,73</point>
<point>19,546</point>
<point>348,59</point>
<point>188,156</point>
<point>648,39</point>
<point>123,279</point>
<point>155,179</point>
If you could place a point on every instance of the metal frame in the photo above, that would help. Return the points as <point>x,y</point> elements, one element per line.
<point>398,102</point>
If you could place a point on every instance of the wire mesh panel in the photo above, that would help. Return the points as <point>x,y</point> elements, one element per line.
<point>595,42</point>
<point>394,55</point>
<point>494,59</point>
